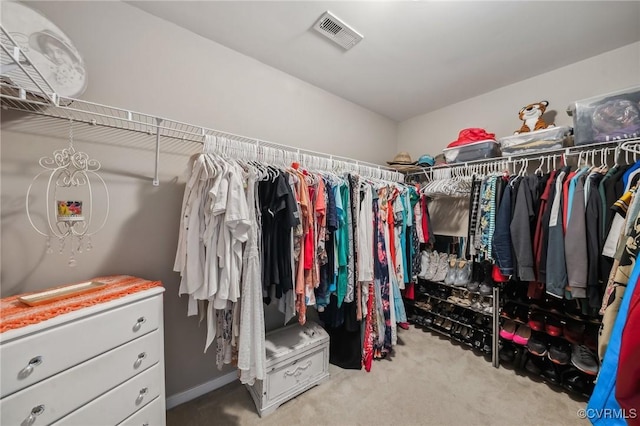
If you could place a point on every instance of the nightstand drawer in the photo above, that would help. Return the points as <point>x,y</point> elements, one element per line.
<point>119,403</point>
<point>64,392</point>
<point>35,357</point>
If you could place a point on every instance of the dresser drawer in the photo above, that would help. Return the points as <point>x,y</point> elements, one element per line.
<point>64,392</point>
<point>121,402</point>
<point>152,414</point>
<point>295,374</point>
<point>35,357</point>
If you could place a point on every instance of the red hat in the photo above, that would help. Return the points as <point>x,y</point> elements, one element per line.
<point>467,136</point>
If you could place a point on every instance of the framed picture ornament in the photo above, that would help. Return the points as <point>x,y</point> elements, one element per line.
<point>69,198</point>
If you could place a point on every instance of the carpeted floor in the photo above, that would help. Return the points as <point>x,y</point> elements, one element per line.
<point>429,381</point>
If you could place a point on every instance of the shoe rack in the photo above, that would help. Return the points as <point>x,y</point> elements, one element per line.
<point>465,316</point>
<point>548,340</point>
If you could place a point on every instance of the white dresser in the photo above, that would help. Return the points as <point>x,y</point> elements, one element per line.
<point>99,365</point>
<point>297,359</point>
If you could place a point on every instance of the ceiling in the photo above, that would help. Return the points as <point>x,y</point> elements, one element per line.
<point>416,56</point>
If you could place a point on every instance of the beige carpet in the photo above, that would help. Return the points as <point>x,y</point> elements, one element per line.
<point>429,381</point>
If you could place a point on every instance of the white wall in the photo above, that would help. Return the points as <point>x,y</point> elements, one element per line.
<point>497,111</point>
<point>143,63</point>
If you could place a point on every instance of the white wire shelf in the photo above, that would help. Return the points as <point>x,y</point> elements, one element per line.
<point>103,116</point>
<point>23,88</point>
<point>630,145</point>
<point>19,73</point>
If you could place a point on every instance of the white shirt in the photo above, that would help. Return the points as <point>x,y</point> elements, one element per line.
<point>365,237</point>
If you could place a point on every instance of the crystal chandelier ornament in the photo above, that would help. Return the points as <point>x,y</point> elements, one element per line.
<point>69,220</point>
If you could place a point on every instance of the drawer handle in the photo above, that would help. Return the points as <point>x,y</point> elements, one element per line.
<point>142,394</point>
<point>141,357</point>
<point>298,371</point>
<point>139,323</point>
<point>35,412</point>
<point>33,362</point>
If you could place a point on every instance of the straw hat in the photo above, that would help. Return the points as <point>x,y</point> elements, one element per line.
<point>401,159</point>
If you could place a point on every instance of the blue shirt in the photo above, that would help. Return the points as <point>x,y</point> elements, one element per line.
<point>625,176</point>
<point>604,394</point>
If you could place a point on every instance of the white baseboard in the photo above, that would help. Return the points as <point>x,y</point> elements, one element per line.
<point>194,392</point>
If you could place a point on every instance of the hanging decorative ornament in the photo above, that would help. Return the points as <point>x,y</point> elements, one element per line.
<point>69,219</point>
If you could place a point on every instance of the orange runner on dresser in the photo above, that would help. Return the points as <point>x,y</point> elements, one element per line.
<point>15,314</point>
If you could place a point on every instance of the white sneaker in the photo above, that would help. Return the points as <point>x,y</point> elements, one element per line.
<point>425,257</point>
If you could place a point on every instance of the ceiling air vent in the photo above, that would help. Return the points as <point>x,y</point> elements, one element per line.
<point>337,31</point>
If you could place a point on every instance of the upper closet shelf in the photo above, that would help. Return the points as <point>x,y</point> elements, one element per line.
<point>629,145</point>
<point>24,88</point>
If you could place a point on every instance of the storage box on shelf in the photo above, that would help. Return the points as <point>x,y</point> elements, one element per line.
<point>539,140</point>
<point>472,151</point>
<point>297,360</point>
<point>98,362</point>
<point>610,117</point>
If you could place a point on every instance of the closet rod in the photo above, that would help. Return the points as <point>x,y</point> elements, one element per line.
<point>571,150</point>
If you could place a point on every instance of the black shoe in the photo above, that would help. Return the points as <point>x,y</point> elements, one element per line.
<point>467,316</point>
<point>573,332</point>
<point>507,354</point>
<point>455,331</point>
<point>411,319</point>
<point>427,320</point>
<point>537,344</point>
<point>522,314</point>
<point>559,353</point>
<point>572,309</point>
<point>466,334</point>
<point>438,321</point>
<point>509,310</point>
<point>575,381</point>
<point>534,366</point>
<point>584,360</point>
<point>550,372</point>
<point>444,292</point>
<point>487,269</point>
<point>477,339</point>
<point>487,343</point>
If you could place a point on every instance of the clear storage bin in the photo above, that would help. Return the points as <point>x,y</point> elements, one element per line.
<point>472,151</point>
<point>539,140</point>
<point>607,118</point>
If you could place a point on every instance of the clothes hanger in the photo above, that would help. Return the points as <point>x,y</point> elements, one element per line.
<point>603,161</point>
<point>538,171</point>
